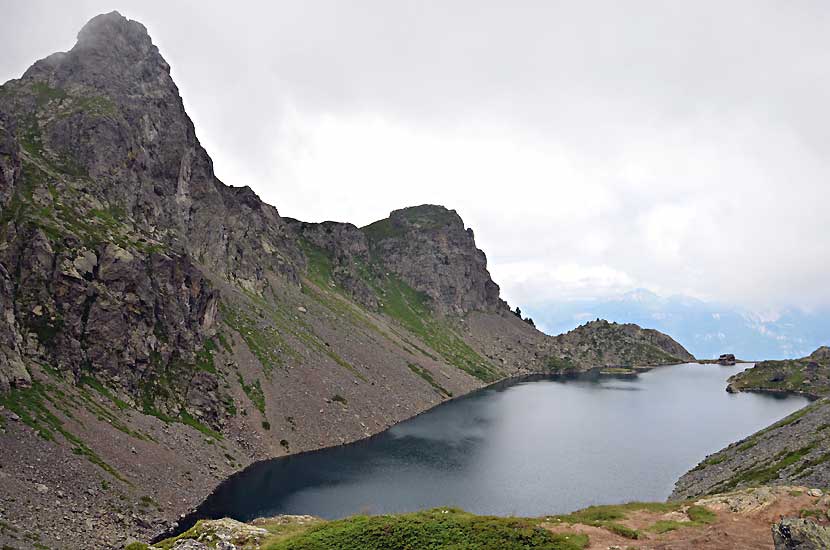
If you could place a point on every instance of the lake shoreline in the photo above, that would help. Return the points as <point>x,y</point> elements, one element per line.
<point>189,519</point>
<point>203,510</point>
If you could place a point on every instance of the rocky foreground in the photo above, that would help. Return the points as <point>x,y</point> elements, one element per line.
<point>794,450</point>
<point>160,330</point>
<point>742,520</point>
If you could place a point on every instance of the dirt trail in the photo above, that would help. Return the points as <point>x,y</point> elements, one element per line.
<point>742,521</point>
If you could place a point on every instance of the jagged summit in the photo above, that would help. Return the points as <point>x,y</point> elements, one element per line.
<point>429,246</point>
<point>113,33</point>
<point>111,52</point>
<point>110,27</point>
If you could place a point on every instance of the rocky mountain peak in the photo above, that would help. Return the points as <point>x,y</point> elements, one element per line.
<point>112,53</point>
<point>115,32</point>
<point>426,216</point>
<point>106,192</point>
<point>821,355</point>
<point>429,248</point>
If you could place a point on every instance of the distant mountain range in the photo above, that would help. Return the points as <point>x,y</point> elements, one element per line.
<point>706,329</point>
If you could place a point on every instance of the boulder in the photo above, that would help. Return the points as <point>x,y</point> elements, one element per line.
<point>800,534</point>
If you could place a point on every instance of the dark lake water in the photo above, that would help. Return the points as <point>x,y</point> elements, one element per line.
<point>526,448</point>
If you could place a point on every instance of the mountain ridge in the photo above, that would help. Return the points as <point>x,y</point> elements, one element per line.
<point>152,314</point>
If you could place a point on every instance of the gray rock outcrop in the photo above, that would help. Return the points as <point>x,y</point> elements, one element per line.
<point>429,248</point>
<point>800,534</point>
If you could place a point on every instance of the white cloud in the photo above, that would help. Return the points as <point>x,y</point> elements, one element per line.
<point>594,147</point>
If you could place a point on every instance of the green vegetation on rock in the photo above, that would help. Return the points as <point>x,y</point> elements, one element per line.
<point>30,404</point>
<point>440,528</point>
<point>410,308</point>
<point>427,376</point>
<point>609,517</point>
<point>254,393</point>
<point>809,375</point>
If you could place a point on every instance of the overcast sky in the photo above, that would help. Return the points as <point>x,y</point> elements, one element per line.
<point>594,147</point>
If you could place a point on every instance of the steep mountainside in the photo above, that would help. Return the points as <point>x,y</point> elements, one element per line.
<point>793,451</point>
<point>809,375</point>
<point>161,330</point>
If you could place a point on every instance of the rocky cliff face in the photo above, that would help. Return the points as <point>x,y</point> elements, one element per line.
<point>112,214</point>
<point>429,248</point>
<point>160,330</point>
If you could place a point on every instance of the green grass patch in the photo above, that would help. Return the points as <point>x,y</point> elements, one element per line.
<point>291,324</point>
<point>318,264</point>
<point>432,529</point>
<point>609,516</point>
<point>204,357</point>
<point>427,376</point>
<point>254,393</point>
<point>381,230</point>
<point>764,474</point>
<point>410,308</point>
<point>747,445</point>
<point>265,342</point>
<point>223,341</point>
<point>558,365</point>
<point>701,514</point>
<point>95,384</point>
<point>623,531</point>
<point>666,525</point>
<point>189,420</point>
<point>598,516</point>
<point>30,404</point>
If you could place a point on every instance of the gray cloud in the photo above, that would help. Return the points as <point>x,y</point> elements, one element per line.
<point>594,146</point>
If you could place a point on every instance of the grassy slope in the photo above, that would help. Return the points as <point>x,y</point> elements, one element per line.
<point>599,343</point>
<point>787,376</point>
<point>426,530</point>
<point>448,528</point>
<point>409,309</point>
